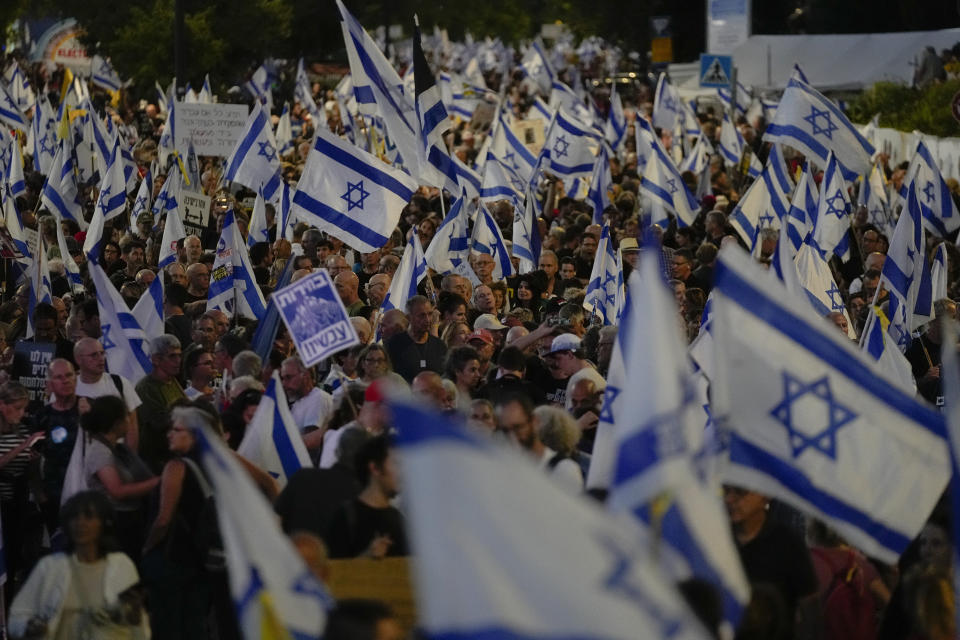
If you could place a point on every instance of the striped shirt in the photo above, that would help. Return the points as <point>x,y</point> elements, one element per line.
<point>16,467</point>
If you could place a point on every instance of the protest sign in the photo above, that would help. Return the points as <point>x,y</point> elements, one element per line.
<point>194,211</point>
<point>214,128</point>
<point>30,362</point>
<point>315,317</point>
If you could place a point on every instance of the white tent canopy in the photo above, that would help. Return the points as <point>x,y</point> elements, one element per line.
<point>837,62</point>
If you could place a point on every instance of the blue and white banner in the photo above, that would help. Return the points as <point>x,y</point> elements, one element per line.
<point>597,565</point>
<point>802,403</point>
<point>257,230</point>
<point>173,233</point>
<point>303,93</point>
<point>615,129</point>
<point>940,213</point>
<point>315,317</point>
<point>104,75</point>
<point>877,342</point>
<point>939,272</point>
<point>60,194</point>
<point>831,231</point>
<point>272,440</point>
<point>662,181</point>
<point>766,202</point>
<point>10,114</point>
<point>432,122</point>
<point>873,196</point>
<point>350,194</point>
<point>568,149</point>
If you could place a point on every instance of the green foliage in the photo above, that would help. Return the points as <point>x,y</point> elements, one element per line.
<point>906,109</point>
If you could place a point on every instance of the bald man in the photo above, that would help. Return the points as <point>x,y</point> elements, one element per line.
<point>393,322</point>
<point>192,250</point>
<point>376,289</point>
<point>347,285</point>
<point>94,381</point>
<point>428,385</point>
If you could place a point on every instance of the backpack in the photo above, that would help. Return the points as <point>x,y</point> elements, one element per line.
<point>207,531</point>
<point>849,611</point>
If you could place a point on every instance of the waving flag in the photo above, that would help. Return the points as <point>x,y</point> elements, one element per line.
<point>20,89</point>
<point>254,162</point>
<point>818,282</point>
<point>275,596</point>
<point>940,213</point>
<point>811,123</point>
<point>432,121</point>
<point>469,179</point>
<point>487,239</point>
<point>526,235</point>
<point>272,441</point>
<point>231,279</point>
<point>14,224</point>
<point>104,75</point>
<point>877,342</point>
<point>205,95</point>
<point>43,135</point>
<point>257,230</point>
<point>112,200</point>
<point>122,336</point>
<point>144,200</point>
<point>606,281</point>
<point>659,432</point>
<point>661,179</point>
<point>600,184</point>
<point>303,93</point>
<point>784,264</point>
<point>802,214</point>
<point>60,193</point>
<point>14,170</point>
<point>266,332</point>
<point>766,202</point>
<point>411,270</point>
<point>598,566</point>
<point>568,149</point>
<point>284,132</point>
<point>10,114</point>
<point>511,150</point>
<point>950,371</point>
<point>803,405</point>
<point>939,272</point>
<point>667,113</point>
<point>450,246</point>
<point>173,233</point>
<point>873,196</point>
<point>906,274</point>
<point>615,129</point>
<point>500,183</point>
<point>149,308</point>
<point>168,199</point>
<point>537,67</point>
<point>350,194</point>
<point>743,99</point>
<point>831,231</point>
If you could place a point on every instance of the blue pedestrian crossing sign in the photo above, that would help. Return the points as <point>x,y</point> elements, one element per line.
<point>715,71</point>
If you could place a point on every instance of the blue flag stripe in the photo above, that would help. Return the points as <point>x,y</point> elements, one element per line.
<point>359,166</point>
<point>331,215</point>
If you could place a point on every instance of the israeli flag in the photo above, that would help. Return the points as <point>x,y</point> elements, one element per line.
<point>811,123</point>
<point>14,170</point>
<point>500,183</point>
<point>568,149</point>
<point>601,181</point>
<point>284,213</point>
<point>266,332</point>
<point>831,231</point>
<point>526,235</point>
<point>284,132</point>
<point>659,432</point>
<point>667,112</point>
<point>254,162</point>
<point>662,182</point>
<point>274,593</point>
<point>43,135</point>
<point>802,214</point>
<point>205,95</point>
<point>821,289</point>
<point>112,200</point>
<point>615,129</point>
<point>906,274</point>
<point>20,89</point>
<point>303,93</point>
<point>167,144</point>
<point>698,159</point>
<point>766,202</point>
<point>350,194</point>
<point>149,308</point>
<point>10,114</point>
<point>783,264</point>
<point>168,198</point>
<point>272,441</point>
<point>877,342</point>
<point>144,200</point>
<point>487,239</point>
<point>597,565</point>
<point>38,275</point>
<point>743,98</point>
<point>802,405</point>
<point>950,372</point>
<point>14,224</point>
<point>938,272</point>
<point>173,233</point>
<point>435,164</point>
<point>537,67</point>
<point>603,288</point>
<point>231,279</point>
<point>411,270</point>
<point>450,246</point>
<point>940,214</point>
<point>731,142</point>
<point>257,230</point>
<point>511,151</point>
<point>540,109</point>
<point>469,180</point>
<point>60,193</point>
<point>103,74</point>
<point>873,196</point>
<point>122,336</point>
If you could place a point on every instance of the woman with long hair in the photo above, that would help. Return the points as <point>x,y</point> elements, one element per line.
<point>374,363</point>
<point>456,334</point>
<point>90,590</point>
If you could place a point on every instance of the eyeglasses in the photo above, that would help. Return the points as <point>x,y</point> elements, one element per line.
<point>373,360</point>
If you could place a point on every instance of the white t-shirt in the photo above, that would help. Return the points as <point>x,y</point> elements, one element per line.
<point>313,409</point>
<point>566,472</point>
<point>105,387</point>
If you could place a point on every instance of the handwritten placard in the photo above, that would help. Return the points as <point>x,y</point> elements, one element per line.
<point>214,128</point>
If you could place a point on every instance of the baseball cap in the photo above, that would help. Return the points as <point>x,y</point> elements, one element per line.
<point>376,392</point>
<point>489,322</point>
<point>564,342</point>
<point>481,334</point>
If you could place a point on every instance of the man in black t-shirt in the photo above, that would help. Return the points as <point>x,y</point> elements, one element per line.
<point>369,525</point>
<point>416,350</point>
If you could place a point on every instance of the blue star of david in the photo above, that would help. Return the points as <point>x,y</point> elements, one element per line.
<point>876,216</point>
<point>836,205</point>
<point>44,148</point>
<point>928,192</point>
<point>609,396</point>
<point>267,151</point>
<point>827,129</point>
<point>608,277</point>
<point>672,183</point>
<point>348,197</point>
<point>766,220</point>
<point>910,253</point>
<point>560,146</point>
<point>105,337</point>
<point>902,335</point>
<point>140,204</point>
<point>824,439</point>
<point>669,103</point>
<point>836,300</point>
<point>104,196</point>
<point>512,159</point>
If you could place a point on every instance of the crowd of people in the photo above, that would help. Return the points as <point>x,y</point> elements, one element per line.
<point>107,525</point>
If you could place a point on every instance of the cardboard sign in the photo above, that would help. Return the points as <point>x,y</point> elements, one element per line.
<point>531,133</point>
<point>214,128</point>
<point>30,362</point>
<point>194,211</point>
<point>315,317</point>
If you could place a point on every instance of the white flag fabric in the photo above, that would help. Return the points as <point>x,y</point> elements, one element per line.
<point>14,224</point>
<point>802,214</point>
<point>411,270</point>
<point>274,594</point>
<point>877,342</point>
<point>350,194</point>
<point>817,280</point>
<point>20,89</point>
<point>450,246</point>
<point>284,132</point>
<point>831,231</point>
<point>940,213</point>
<point>122,336</point>
<point>60,193</point>
<point>601,182</point>
<point>500,183</point>
<point>595,564</point>
<point>231,278</point>
<point>43,135</point>
<point>802,404</point>
<point>766,202</point>
<point>13,172</point>
<point>527,243</point>
<point>667,112</point>
<point>660,433</point>
<point>938,272</point>
<point>10,114</point>
<point>205,95</point>
<point>257,230</point>
<point>606,282</point>
<point>272,441</point>
<point>112,200</point>
<point>254,162</point>
<point>173,232</point>
<point>811,123</point>
<point>568,149</point>
<point>433,122</point>
<point>303,93</point>
<point>487,239</point>
<point>873,195</point>
<point>104,75</point>
<point>615,129</point>
<point>149,308</point>
<point>662,181</point>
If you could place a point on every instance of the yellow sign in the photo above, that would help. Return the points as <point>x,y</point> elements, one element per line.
<point>661,50</point>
